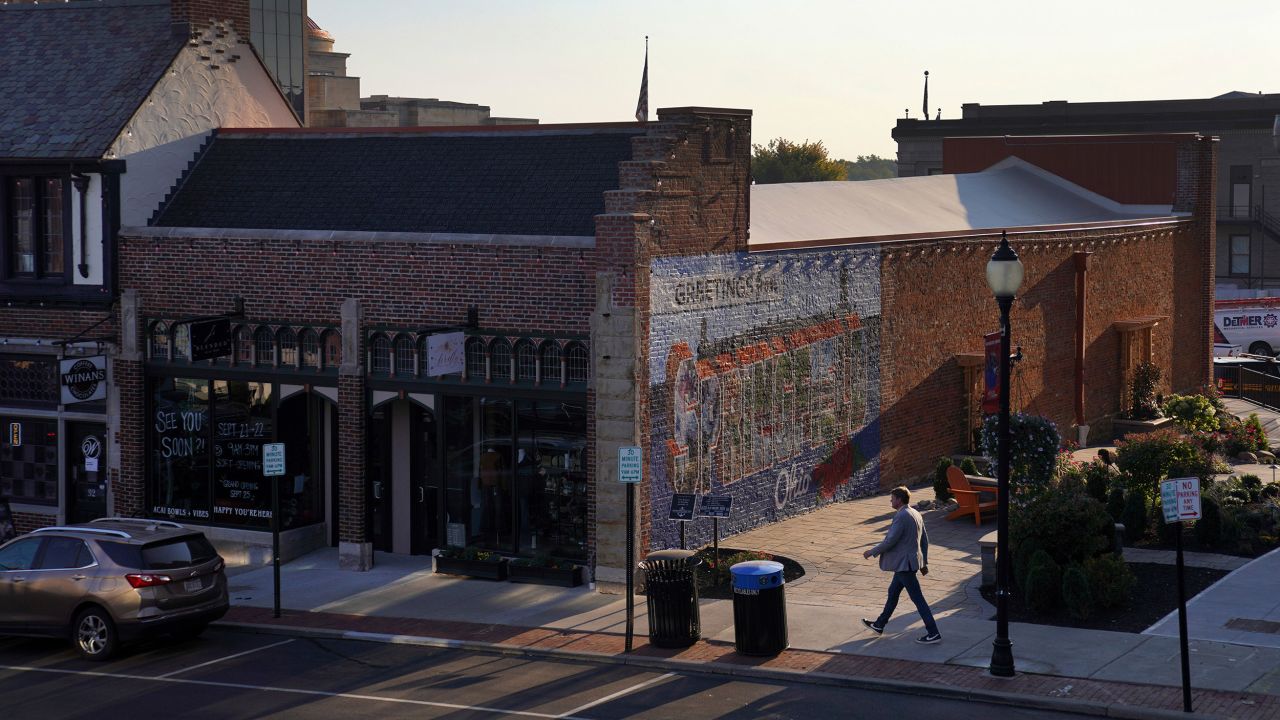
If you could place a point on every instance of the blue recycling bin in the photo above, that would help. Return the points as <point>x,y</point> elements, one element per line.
<point>759,608</point>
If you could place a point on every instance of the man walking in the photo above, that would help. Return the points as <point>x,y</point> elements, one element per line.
<point>904,550</point>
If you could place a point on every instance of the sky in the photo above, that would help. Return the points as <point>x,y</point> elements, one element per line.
<point>841,72</point>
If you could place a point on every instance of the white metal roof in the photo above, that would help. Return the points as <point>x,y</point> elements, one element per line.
<point>1012,193</point>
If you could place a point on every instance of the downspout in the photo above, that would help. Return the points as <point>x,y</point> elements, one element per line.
<point>81,183</point>
<point>1082,267</point>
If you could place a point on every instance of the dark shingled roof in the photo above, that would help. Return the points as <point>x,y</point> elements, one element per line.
<point>72,74</point>
<point>536,183</point>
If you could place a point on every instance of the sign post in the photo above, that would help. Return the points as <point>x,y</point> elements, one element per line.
<point>682,511</point>
<point>716,507</point>
<point>630,470</point>
<point>273,467</point>
<point>1180,500</point>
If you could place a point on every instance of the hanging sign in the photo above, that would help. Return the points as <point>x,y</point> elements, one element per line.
<point>210,338</point>
<point>446,353</point>
<point>991,374</point>
<point>83,379</point>
<point>91,448</point>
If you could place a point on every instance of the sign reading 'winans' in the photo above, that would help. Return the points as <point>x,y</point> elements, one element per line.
<point>721,290</point>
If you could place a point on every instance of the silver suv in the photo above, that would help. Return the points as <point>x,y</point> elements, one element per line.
<point>110,581</point>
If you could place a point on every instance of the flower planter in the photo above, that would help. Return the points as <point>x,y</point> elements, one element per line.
<point>1120,428</point>
<point>560,577</point>
<point>486,569</point>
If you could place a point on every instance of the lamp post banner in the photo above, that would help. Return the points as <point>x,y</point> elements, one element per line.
<point>991,374</point>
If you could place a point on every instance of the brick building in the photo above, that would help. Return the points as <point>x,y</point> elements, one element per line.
<point>104,104</point>
<point>1248,187</point>
<point>604,290</point>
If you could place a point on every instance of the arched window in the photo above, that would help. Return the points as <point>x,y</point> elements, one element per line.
<point>264,347</point>
<point>332,348</point>
<point>577,363</point>
<point>181,341</point>
<point>526,361</point>
<point>549,358</point>
<point>309,344</point>
<point>288,347</point>
<point>159,341</point>
<point>475,359</point>
<point>380,355</point>
<point>243,345</point>
<point>500,360</point>
<point>404,356</point>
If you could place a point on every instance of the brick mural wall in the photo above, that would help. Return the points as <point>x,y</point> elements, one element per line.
<point>764,383</point>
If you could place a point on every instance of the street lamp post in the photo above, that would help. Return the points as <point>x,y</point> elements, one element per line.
<point>1004,276</point>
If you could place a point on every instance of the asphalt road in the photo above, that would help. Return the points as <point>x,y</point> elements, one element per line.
<point>229,674</point>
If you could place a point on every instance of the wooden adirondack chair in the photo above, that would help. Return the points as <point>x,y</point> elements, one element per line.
<point>971,499</point>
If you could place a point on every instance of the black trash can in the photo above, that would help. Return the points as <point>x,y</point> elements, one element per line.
<point>759,608</point>
<point>671,586</point>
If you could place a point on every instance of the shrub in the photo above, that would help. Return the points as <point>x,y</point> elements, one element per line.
<point>1252,484</point>
<point>1097,479</point>
<point>1115,503</point>
<point>1135,516</point>
<point>1075,592</point>
<point>1191,412</point>
<point>941,490</point>
<point>1110,580</point>
<point>1033,449</point>
<point>718,573</point>
<point>1044,583</point>
<point>1142,392</point>
<point>1243,435</point>
<point>470,552</point>
<point>1023,550</point>
<point>1065,523</point>
<point>1149,458</point>
<point>968,466</point>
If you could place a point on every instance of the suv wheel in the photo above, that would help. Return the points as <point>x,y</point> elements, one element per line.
<point>94,634</point>
<point>1260,348</point>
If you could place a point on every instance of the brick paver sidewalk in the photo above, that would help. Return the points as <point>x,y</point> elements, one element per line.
<point>720,656</point>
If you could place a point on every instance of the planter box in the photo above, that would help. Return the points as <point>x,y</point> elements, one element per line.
<point>545,575</point>
<point>487,569</point>
<point>1120,428</point>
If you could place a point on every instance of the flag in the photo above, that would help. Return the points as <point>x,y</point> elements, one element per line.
<point>926,96</point>
<point>642,105</point>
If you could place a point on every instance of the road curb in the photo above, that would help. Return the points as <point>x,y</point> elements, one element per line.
<point>992,697</point>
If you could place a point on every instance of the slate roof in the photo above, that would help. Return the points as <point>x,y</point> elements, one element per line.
<point>510,183</point>
<point>72,74</point>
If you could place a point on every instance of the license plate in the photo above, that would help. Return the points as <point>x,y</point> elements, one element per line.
<point>192,585</point>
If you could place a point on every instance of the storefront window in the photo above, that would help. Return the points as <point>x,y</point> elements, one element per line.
<point>551,478</point>
<point>29,460</point>
<point>494,463</point>
<point>179,449</point>
<point>460,513</point>
<point>28,381</point>
<point>242,425</point>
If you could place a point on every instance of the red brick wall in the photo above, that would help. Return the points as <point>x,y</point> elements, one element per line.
<point>1133,272</point>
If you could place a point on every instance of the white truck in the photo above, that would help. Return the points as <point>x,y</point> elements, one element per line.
<point>1251,324</point>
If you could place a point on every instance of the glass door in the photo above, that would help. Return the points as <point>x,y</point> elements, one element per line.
<point>86,462</point>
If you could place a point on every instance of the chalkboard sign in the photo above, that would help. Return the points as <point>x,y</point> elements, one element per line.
<point>682,506</point>
<point>715,506</point>
<point>7,531</point>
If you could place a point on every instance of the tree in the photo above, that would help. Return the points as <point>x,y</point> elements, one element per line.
<point>783,161</point>
<point>870,167</point>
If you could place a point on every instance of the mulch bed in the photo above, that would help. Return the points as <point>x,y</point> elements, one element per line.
<point>1155,594</point>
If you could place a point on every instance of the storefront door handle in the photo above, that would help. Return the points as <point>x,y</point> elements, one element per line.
<point>422,494</point>
<point>377,490</point>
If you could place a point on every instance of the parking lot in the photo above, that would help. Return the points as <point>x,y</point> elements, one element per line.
<point>236,674</point>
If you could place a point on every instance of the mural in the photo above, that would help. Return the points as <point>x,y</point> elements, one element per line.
<point>765,383</point>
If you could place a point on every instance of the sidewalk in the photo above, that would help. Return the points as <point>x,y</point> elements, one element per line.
<point>1234,626</point>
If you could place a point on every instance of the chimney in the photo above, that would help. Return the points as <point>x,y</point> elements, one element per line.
<point>199,13</point>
